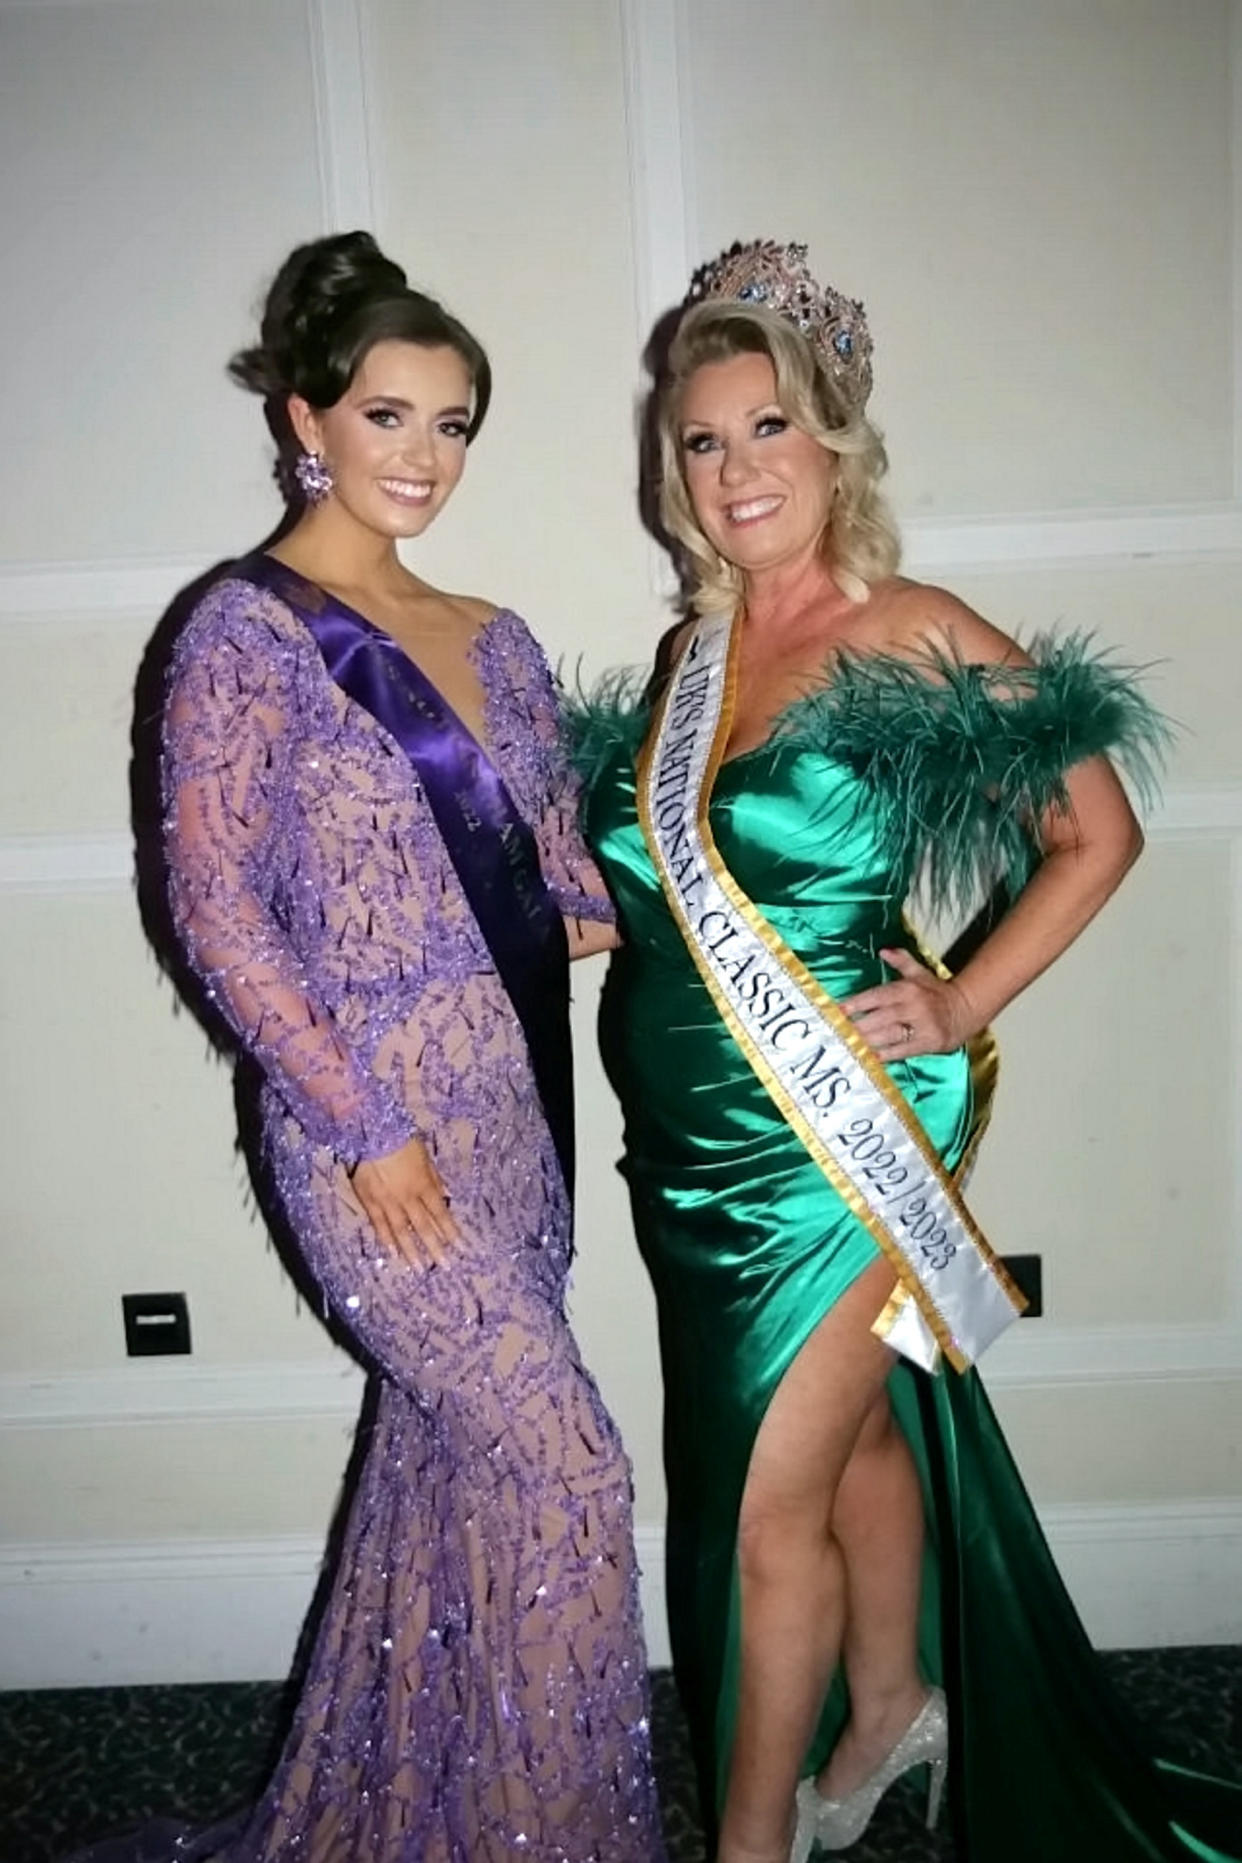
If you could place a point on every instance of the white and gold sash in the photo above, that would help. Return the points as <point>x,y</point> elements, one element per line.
<point>953,1293</point>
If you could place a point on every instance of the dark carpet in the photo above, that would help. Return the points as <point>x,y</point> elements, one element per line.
<point>76,1764</point>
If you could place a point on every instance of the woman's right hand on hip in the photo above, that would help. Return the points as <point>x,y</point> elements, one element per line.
<point>405,1201</point>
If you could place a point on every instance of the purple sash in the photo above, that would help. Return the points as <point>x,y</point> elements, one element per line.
<point>491,847</point>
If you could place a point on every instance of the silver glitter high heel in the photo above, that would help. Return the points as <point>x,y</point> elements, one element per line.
<point>836,1823</point>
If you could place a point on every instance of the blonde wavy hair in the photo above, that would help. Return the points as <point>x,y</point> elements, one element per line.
<point>860,541</point>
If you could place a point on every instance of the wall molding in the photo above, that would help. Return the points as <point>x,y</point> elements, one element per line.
<point>1044,539</point>
<point>230,1610</point>
<point>132,587</point>
<point>66,863</point>
<point>1036,1355</point>
<point>137,588</point>
<point>53,863</point>
<point>1232,1014</point>
<point>1197,811</point>
<point>342,113</point>
<point>1235,155</point>
<point>660,135</point>
<point>142,587</point>
<point>657,121</point>
<point>158,1391</point>
<point>144,1394</point>
<point>659,138</point>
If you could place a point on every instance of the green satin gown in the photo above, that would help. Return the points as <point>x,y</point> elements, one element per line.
<point>748,1245</point>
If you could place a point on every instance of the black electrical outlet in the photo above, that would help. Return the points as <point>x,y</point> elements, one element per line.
<point>1028,1272</point>
<point>155,1323</point>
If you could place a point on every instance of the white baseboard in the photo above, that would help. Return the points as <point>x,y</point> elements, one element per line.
<point>231,1610</point>
<point>172,1611</point>
<point>114,1614</point>
<point>1152,1576</point>
<point>649,1541</point>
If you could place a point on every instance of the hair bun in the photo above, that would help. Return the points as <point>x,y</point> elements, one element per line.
<point>332,301</point>
<point>318,285</point>
<point>320,276</point>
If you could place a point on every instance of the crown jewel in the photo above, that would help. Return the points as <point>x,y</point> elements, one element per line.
<point>778,278</point>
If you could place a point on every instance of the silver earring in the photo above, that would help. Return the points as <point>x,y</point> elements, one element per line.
<point>314,477</point>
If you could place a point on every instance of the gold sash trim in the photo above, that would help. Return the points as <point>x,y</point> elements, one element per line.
<point>983,1052</point>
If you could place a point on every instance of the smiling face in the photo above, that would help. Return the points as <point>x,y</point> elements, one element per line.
<point>761,488</point>
<point>396,440</point>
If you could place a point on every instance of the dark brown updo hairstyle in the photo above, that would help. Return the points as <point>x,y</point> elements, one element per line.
<point>331,301</point>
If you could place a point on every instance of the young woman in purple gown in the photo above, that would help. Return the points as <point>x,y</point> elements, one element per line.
<point>375,872</point>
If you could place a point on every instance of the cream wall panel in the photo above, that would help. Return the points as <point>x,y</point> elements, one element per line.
<point>1111,1151</point>
<point>503,185</point>
<point>1019,302</point>
<point>166,153</point>
<point>1180,619</point>
<point>124,1175</point>
<point>66,709</point>
<point>1034,202</point>
<point>219,1478</point>
<point>1162,1441</point>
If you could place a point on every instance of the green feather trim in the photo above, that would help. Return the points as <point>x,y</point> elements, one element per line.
<point>964,759</point>
<point>969,757</point>
<point>612,716</point>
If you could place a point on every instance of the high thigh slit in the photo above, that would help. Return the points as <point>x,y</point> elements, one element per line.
<point>710,1428</point>
<point>749,1245</point>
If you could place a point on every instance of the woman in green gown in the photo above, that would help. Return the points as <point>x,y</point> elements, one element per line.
<point>847,1534</point>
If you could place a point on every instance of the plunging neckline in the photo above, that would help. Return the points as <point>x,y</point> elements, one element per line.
<point>784,721</point>
<point>782,728</point>
<point>480,740</point>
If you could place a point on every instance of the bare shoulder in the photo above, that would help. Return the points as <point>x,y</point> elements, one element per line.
<point>474,610</point>
<point>470,613</point>
<point>463,619</point>
<point>920,616</point>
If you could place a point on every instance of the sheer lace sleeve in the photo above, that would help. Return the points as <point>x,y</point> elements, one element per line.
<point>230,728</point>
<point>525,720</point>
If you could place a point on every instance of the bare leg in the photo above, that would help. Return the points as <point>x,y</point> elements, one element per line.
<point>792,1569</point>
<point>878,1525</point>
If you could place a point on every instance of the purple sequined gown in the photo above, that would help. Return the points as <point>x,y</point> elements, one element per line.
<point>478,1686</point>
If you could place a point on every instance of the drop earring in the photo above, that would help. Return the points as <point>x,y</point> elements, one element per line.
<point>314,477</point>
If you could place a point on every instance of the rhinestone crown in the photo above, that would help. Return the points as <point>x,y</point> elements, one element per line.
<point>778,278</point>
